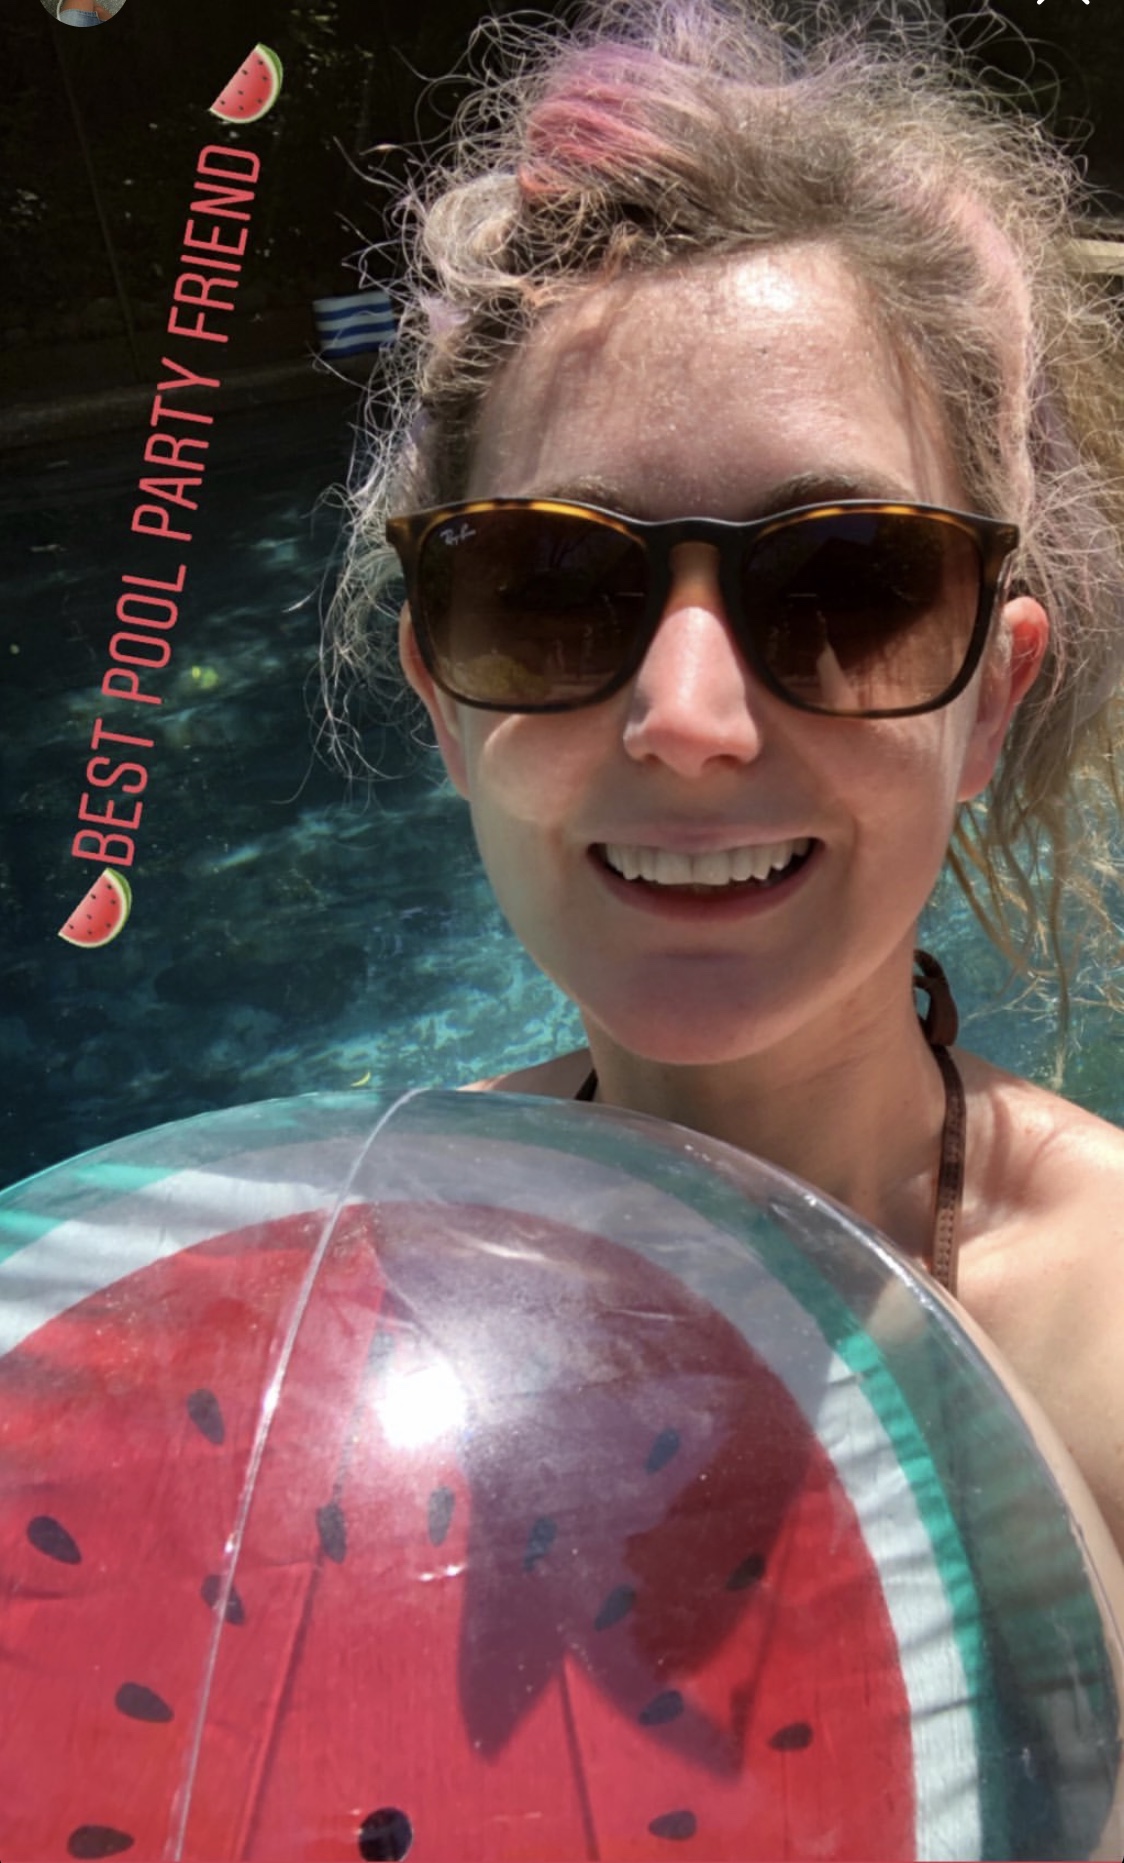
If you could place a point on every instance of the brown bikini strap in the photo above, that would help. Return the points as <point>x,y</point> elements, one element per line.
<point>950,1174</point>
<point>940,1021</point>
<point>941,1025</point>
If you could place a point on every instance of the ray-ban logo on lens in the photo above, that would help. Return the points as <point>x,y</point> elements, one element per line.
<point>452,535</point>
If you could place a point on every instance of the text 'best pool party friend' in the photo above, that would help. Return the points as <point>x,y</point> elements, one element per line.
<point>175,462</point>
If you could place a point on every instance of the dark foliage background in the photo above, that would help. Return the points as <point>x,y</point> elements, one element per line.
<point>357,73</point>
<point>136,92</point>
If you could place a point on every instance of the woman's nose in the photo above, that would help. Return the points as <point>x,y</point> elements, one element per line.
<point>694,697</point>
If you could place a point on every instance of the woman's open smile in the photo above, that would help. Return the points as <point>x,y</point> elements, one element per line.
<point>727,882</point>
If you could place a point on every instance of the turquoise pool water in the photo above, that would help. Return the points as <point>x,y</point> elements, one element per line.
<point>285,937</point>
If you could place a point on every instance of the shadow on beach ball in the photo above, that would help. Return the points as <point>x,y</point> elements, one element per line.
<point>491,1478</point>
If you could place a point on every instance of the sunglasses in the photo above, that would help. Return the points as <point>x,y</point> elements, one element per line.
<point>854,610</point>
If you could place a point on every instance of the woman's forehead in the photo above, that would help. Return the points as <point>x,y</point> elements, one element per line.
<point>765,366</point>
<point>673,316</point>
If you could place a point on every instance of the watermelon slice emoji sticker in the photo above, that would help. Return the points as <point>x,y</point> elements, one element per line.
<point>253,90</point>
<point>99,917</point>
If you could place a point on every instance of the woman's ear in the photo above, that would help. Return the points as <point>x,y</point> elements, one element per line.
<point>1011,666</point>
<point>441,708</point>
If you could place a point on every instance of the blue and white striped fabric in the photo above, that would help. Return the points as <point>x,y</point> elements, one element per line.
<point>354,325</point>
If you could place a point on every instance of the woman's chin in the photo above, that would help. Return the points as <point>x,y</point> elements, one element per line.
<point>693,1039</point>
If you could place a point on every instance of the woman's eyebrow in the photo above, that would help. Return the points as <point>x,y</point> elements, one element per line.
<point>805,488</point>
<point>589,489</point>
<point>826,487</point>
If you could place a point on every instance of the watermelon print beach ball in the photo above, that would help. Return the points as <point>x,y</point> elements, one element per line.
<point>479,1478</point>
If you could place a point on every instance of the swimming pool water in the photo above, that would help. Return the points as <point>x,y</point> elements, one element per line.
<point>286,937</point>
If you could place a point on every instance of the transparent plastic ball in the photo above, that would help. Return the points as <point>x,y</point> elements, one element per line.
<point>484,1477</point>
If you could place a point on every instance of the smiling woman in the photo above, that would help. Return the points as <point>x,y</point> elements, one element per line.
<point>754,470</point>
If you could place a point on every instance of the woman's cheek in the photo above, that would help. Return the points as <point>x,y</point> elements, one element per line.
<point>902,790</point>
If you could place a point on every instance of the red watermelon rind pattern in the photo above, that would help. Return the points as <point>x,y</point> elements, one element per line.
<point>292,1325</point>
<point>328,1224</point>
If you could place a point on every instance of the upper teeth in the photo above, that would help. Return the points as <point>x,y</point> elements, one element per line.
<point>714,869</point>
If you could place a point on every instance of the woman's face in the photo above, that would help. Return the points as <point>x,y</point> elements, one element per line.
<point>761,383</point>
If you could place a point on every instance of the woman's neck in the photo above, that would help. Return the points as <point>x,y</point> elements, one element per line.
<point>854,1106</point>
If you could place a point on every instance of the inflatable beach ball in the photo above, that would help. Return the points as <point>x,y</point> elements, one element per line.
<point>484,1478</point>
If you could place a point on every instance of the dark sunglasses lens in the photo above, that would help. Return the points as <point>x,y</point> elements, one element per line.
<point>864,611</point>
<point>527,608</point>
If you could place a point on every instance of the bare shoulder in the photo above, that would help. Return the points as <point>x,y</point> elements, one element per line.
<point>559,1078</point>
<point>1035,1157</point>
<point>1042,1261</point>
<point>1043,1223</point>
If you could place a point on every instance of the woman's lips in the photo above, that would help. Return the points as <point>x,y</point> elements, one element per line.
<point>736,899</point>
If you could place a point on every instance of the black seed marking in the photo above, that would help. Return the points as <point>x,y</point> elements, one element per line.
<point>674,1824</point>
<point>661,1708</point>
<point>747,1573</point>
<point>51,1537</point>
<point>332,1528</point>
<point>665,1446</point>
<point>617,1605</point>
<point>142,1704</point>
<point>385,1836</point>
<point>441,1504</point>
<point>542,1537</point>
<point>793,1738</point>
<point>203,1409</point>
<point>210,1591</point>
<point>98,1840</point>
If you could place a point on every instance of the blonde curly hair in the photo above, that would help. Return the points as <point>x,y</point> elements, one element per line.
<point>651,133</point>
